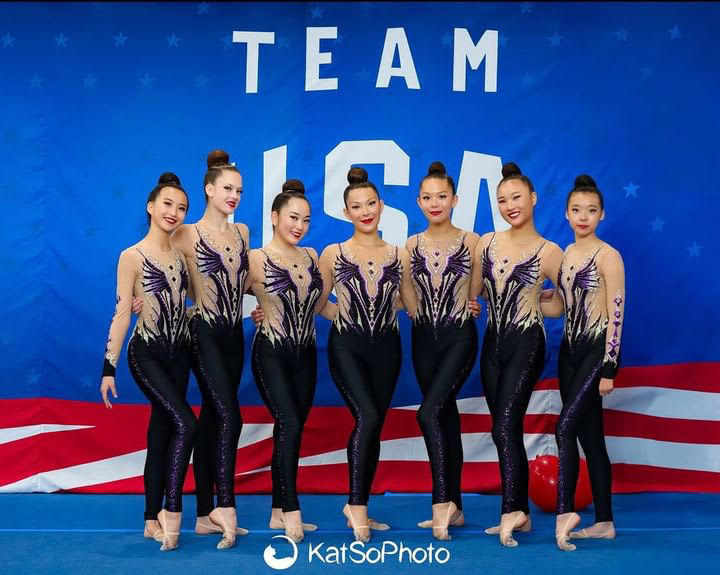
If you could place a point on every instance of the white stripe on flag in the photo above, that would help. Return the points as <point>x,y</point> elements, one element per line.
<point>8,434</point>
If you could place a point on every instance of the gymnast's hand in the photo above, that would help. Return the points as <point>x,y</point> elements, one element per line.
<point>547,295</point>
<point>137,305</point>
<point>475,307</point>
<point>606,386</point>
<point>257,315</point>
<point>108,383</point>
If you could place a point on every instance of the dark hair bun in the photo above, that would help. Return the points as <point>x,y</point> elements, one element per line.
<point>357,175</point>
<point>585,181</point>
<point>511,169</point>
<point>218,158</point>
<point>294,185</point>
<point>168,178</point>
<point>437,169</point>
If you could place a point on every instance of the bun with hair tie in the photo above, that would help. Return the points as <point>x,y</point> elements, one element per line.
<point>511,169</point>
<point>436,169</point>
<point>584,181</point>
<point>218,158</point>
<point>357,175</point>
<point>294,185</point>
<point>167,178</point>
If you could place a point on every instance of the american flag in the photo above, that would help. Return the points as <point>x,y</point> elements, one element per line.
<point>662,427</point>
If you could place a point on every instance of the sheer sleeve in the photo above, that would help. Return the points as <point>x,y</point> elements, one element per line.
<point>407,290</point>
<point>126,275</point>
<point>614,274</point>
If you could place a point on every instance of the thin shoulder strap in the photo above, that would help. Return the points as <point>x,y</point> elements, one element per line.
<point>239,233</point>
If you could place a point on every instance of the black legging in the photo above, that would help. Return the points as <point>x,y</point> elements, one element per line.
<point>443,358</point>
<point>163,379</point>
<point>285,377</point>
<point>581,417</point>
<point>365,370</point>
<point>217,362</point>
<point>510,367</point>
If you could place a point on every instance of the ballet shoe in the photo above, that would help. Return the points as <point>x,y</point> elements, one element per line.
<point>228,525</point>
<point>203,526</point>
<point>170,537</point>
<point>440,531</point>
<point>511,524</point>
<point>156,534</point>
<point>279,524</point>
<point>377,525</point>
<point>359,535</point>
<point>608,533</point>
<point>457,520</point>
<point>374,525</point>
<point>566,523</point>
<point>524,529</point>
<point>293,530</point>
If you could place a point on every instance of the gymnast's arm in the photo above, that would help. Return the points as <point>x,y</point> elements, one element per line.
<point>126,275</point>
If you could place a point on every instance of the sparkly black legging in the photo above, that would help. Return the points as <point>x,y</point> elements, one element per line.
<point>443,358</point>
<point>285,377</point>
<point>365,370</point>
<point>217,363</point>
<point>163,379</point>
<point>582,418</point>
<point>510,367</point>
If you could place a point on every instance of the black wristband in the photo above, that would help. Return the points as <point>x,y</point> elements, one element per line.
<point>108,368</point>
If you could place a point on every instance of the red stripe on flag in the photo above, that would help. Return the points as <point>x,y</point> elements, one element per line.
<point>626,424</point>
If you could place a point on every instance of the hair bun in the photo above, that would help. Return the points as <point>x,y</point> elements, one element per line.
<point>294,185</point>
<point>511,169</point>
<point>218,158</point>
<point>357,175</point>
<point>437,169</point>
<point>585,181</point>
<point>167,178</point>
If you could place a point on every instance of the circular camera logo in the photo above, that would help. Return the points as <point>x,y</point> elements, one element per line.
<point>282,562</point>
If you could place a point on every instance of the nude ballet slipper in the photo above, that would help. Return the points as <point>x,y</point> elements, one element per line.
<point>359,536</point>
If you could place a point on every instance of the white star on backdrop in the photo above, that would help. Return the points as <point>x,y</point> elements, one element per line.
<point>203,8</point>
<point>675,32</point>
<point>120,39</point>
<point>631,190</point>
<point>622,35</point>
<point>36,81</point>
<point>8,40</point>
<point>33,377</point>
<point>147,81</point>
<point>694,249</point>
<point>526,7</point>
<point>555,39</point>
<point>317,12</point>
<point>173,41</point>
<point>89,81</point>
<point>657,224</point>
<point>61,40</point>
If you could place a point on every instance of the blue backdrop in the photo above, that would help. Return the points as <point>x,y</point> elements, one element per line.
<point>98,99</point>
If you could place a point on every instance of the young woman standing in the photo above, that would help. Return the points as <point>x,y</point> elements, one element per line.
<point>514,265</point>
<point>158,355</point>
<point>364,351</point>
<point>591,286</point>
